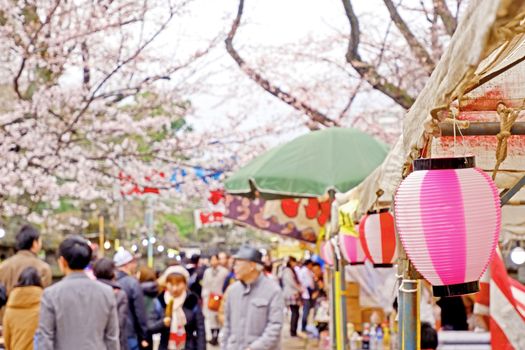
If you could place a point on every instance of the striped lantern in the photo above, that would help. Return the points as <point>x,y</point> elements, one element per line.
<point>378,238</point>
<point>327,253</point>
<point>351,249</point>
<point>448,217</point>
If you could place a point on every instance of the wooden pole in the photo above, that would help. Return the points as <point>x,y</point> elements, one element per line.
<point>480,129</point>
<point>101,238</point>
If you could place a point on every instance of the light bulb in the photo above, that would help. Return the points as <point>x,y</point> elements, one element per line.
<point>517,255</point>
<point>153,240</point>
<point>134,247</point>
<point>144,242</point>
<point>160,248</point>
<point>2,233</point>
<point>107,245</point>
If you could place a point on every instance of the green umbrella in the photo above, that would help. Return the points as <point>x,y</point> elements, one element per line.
<point>311,165</point>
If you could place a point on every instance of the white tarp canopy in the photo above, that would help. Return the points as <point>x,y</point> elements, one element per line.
<point>483,65</point>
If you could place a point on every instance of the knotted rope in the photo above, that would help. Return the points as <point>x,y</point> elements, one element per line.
<point>507,118</point>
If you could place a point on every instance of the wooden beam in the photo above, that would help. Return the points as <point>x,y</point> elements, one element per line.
<point>507,194</point>
<point>480,129</point>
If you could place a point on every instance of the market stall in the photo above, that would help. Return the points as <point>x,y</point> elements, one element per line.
<point>472,105</point>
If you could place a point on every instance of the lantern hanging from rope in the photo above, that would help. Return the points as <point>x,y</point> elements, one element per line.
<point>351,249</point>
<point>327,253</point>
<point>448,217</point>
<point>378,238</point>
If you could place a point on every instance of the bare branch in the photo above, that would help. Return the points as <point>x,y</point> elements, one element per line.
<point>351,99</point>
<point>284,96</point>
<point>85,61</point>
<point>450,22</point>
<point>366,70</point>
<point>425,11</point>
<point>415,46</point>
<point>16,80</point>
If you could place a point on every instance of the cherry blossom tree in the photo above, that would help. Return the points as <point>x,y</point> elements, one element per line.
<point>92,93</point>
<point>383,55</point>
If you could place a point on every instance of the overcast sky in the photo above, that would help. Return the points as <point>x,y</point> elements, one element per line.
<point>268,23</point>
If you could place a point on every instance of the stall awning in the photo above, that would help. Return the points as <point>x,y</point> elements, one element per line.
<point>483,65</point>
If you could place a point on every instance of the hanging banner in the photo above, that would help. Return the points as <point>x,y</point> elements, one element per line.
<point>299,219</point>
<point>208,218</point>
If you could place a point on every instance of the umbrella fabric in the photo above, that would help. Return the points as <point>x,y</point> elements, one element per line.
<point>309,166</point>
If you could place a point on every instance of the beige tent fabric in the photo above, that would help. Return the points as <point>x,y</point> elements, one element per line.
<point>486,40</point>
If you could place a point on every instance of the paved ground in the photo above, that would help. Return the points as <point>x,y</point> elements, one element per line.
<point>289,343</point>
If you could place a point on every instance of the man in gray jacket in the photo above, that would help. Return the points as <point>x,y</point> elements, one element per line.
<point>253,314</point>
<point>77,313</point>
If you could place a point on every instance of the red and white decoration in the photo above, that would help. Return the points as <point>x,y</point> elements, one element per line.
<point>501,302</point>
<point>351,249</point>
<point>449,221</point>
<point>378,238</point>
<point>208,218</point>
<point>213,215</point>
<point>129,186</point>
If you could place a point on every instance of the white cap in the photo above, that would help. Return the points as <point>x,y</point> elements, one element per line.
<point>180,270</point>
<point>122,257</point>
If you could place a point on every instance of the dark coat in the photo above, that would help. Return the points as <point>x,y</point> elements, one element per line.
<point>195,282</point>
<point>122,311</point>
<point>151,292</point>
<point>136,325</point>
<point>195,331</point>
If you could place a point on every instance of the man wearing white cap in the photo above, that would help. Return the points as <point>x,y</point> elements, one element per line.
<point>136,326</point>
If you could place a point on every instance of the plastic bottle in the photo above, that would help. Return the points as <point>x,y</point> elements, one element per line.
<point>373,338</point>
<point>355,341</point>
<point>379,336</point>
<point>386,339</point>
<point>365,344</point>
<point>350,329</point>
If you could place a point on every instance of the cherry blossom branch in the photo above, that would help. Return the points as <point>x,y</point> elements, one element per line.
<point>112,73</point>
<point>293,101</point>
<point>16,79</point>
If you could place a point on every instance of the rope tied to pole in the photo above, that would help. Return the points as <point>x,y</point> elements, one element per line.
<point>403,289</point>
<point>507,117</point>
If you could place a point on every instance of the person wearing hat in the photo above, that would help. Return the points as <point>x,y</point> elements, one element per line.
<point>180,321</point>
<point>136,325</point>
<point>253,312</point>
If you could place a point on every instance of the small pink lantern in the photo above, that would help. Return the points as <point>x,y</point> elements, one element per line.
<point>327,253</point>
<point>448,217</point>
<point>378,238</point>
<point>351,249</point>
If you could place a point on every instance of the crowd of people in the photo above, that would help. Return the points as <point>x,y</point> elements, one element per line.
<point>237,302</point>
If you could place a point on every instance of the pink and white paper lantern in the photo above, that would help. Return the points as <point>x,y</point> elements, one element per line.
<point>327,253</point>
<point>351,249</point>
<point>448,217</point>
<point>378,238</point>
